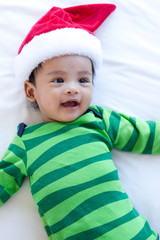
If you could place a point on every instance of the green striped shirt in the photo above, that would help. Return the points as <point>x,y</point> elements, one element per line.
<point>73,179</point>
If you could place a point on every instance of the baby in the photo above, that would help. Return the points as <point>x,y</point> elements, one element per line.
<point>67,157</point>
<point>62,88</point>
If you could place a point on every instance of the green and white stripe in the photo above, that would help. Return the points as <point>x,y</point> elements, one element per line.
<point>73,179</point>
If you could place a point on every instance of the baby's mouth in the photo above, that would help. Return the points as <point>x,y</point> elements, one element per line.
<point>70,104</point>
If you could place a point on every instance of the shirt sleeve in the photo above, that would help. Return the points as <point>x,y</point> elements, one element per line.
<point>12,169</point>
<point>132,134</point>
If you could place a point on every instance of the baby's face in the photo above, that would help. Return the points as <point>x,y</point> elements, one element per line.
<point>63,88</point>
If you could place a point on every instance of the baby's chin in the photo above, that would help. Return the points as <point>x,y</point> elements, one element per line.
<point>67,112</point>
<point>64,119</point>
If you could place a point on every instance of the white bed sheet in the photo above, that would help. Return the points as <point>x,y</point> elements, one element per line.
<point>129,82</point>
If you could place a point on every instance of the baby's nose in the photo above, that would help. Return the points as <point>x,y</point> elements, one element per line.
<point>72,89</point>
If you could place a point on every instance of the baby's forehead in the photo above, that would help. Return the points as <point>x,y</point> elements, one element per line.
<point>65,64</point>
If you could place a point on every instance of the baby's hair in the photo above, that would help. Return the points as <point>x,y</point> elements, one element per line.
<point>32,80</point>
<point>32,75</point>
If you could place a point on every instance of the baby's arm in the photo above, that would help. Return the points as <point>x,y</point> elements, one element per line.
<point>12,169</point>
<point>133,134</point>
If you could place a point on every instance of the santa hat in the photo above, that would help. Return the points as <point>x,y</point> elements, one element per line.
<point>61,32</point>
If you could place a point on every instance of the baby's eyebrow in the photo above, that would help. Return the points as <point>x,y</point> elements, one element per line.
<point>85,72</point>
<point>56,72</point>
<point>63,72</point>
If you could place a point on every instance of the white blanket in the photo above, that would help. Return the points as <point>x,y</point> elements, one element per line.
<point>129,82</point>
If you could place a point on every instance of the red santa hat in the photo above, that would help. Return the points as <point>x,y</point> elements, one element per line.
<point>61,32</point>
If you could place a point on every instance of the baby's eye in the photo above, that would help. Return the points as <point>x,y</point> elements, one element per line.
<point>58,80</point>
<point>83,80</point>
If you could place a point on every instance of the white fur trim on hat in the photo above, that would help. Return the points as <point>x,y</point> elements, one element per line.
<point>53,44</point>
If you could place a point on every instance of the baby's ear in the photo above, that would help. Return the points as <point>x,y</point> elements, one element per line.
<point>29,89</point>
